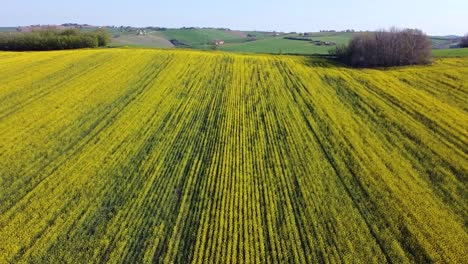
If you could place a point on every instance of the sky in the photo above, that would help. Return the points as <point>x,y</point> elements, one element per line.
<point>447,17</point>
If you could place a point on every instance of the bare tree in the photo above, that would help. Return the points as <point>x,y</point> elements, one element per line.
<point>392,47</point>
<point>464,42</point>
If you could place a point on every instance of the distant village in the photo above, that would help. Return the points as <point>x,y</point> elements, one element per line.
<point>53,27</point>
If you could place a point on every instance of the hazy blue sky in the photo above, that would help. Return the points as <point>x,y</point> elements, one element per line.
<point>433,17</point>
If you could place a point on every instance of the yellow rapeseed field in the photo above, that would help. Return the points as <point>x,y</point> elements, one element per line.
<point>140,156</point>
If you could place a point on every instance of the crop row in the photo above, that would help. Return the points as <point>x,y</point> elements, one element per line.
<point>127,156</point>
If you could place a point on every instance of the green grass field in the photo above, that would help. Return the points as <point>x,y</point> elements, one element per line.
<point>450,52</point>
<point>338,37</point>
<point>177,156</point>
<point>277,45</point>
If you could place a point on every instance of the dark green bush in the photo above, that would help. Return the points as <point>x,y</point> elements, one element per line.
<point>53,40</point>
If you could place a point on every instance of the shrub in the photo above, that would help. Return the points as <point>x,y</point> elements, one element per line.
<point>103,37</point>
<point>53,40</point>
<point>464,42</point>
<point>386,48</point>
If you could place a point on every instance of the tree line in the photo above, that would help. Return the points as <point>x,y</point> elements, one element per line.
<point>41,40</point>
<point>383,48</point>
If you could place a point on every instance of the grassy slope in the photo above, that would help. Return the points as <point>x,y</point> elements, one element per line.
<point>134,155</point>
<point>278,44</point>
<point>154,39</point>
<point>442,42</point>
<point>199,37</point>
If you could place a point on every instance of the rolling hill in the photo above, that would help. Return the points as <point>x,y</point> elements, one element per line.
<point>254,41</point>
<point>238,41</point>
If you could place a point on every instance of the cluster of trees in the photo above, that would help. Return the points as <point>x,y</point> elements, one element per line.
<point>76,25</point>
<point>299,38</point>
<point>464,42</point>
<point>156,28</point>
<point>394,47</point>
<point>53,40</point>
